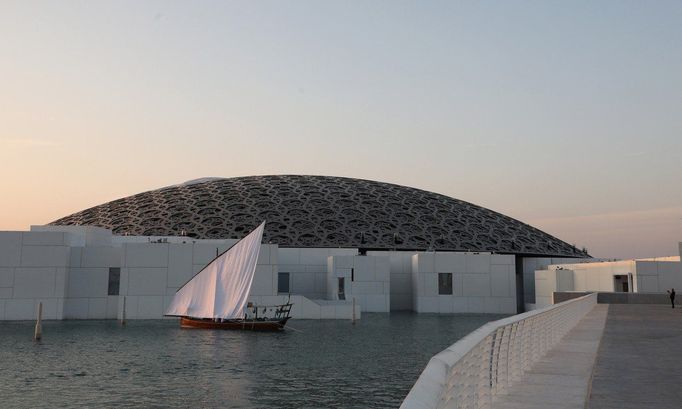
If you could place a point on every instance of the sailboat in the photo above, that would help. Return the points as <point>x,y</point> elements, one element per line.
<point>217,296</point>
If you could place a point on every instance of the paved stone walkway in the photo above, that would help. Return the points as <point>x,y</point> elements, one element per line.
<point>562,378</point>
<point>640,359</point>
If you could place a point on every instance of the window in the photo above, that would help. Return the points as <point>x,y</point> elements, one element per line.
<point>282,282</point>
<point>445,283</point>
<point>114,280</point>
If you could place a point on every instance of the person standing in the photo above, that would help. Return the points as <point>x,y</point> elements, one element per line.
<point>672,296</point>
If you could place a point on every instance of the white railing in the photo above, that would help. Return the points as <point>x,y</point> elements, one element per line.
<point>485,363</point>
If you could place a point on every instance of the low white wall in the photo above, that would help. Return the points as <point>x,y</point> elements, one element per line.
<point>648,277</point>
<point>482,282</point>
<point>485,363</point>
<point>366,278</point>
<point>532,264</point>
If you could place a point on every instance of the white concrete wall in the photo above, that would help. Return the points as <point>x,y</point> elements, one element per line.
<point>33,269</point>
<point>531,264</point>
<point>482,282</point>
<point>79,236</point>
<point>366,278</point>
<point>88,283</point>
<point>648,277</point>
<point>151,273</point>
<point>400,265</point>
<point>307,269</point>
<point>658,276</point>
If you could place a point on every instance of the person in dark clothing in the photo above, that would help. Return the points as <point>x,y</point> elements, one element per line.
<point>672,296</point>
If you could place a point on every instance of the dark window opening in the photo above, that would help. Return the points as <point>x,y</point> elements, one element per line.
<point>114,280</point>
<point>352,274</point>
<point>445,283</point>
<point>283,282</point>
<point>342,288</point>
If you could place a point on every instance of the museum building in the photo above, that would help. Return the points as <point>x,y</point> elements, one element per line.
<point>329,243</point>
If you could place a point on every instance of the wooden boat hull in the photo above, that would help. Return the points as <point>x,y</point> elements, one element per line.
<point>248,325</point>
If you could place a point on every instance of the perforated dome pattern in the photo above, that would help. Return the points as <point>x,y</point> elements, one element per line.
<point>320,211</point>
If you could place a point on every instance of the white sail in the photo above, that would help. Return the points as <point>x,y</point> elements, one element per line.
<point>221,289</point>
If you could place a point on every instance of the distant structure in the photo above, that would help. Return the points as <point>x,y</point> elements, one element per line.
<point>328,241</point>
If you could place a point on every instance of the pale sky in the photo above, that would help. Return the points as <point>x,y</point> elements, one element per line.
<point>565,115</point>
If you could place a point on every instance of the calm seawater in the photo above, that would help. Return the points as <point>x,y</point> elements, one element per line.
<point>320,364</point>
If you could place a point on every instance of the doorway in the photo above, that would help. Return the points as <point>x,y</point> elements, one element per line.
<point>621,283</point>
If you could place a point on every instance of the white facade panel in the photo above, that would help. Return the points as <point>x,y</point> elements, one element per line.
<point>289,256</point>
<point>97,308</point>
<point>499,281</point>
<point>426,262</point>
<point>179,265</point>
<point>476,304</point>
<point>146,255</point>
<point>669,276</point>
<point>150,307</point>
<point>20,309</point>
<point>88,282</point>
<point>302,283</point>
<point>101,257</point>
<point>505,259</point>
<point>76,256</point>
<point>476,285</point>
<point>648,284</point>
<point>445,305</point>
<point>314,256</point>
<point>264,254</point>
<point>450,262</point>
<point>491,305</point>
<point>264,283</point>
<point>430,284</point>
<point>34,282</point>
<point>6,276</point>
<point>10,255</point>
<point>146,281</point>
<point>478,263</point>
<point>10,238</point>
<point>45,256</point>
<point>44,238</point>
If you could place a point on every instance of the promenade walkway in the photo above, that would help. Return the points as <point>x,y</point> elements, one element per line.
<point>640,359</point>
<point>561,379</point>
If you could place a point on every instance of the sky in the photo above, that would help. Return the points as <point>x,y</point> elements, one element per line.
<point>565,115</point>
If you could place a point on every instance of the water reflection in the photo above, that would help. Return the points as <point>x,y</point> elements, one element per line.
<point>156,364</point>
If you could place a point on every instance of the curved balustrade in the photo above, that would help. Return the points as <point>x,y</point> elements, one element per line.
<point>485,363</point>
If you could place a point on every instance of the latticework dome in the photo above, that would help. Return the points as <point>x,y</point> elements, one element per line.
<point>320,211</point>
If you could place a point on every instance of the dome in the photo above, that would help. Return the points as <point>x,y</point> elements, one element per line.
<point>320,211</point>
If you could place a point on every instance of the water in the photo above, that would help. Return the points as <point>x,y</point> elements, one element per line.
<point>324,364</point>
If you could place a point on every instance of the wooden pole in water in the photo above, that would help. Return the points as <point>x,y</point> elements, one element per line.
<point>353,320</point>
<point>123,314</point>
<point>39,328</point>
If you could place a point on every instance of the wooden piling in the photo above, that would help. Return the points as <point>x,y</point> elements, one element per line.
<point>123,314</point>
<point>353,320</point>
<point>38,333</point>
